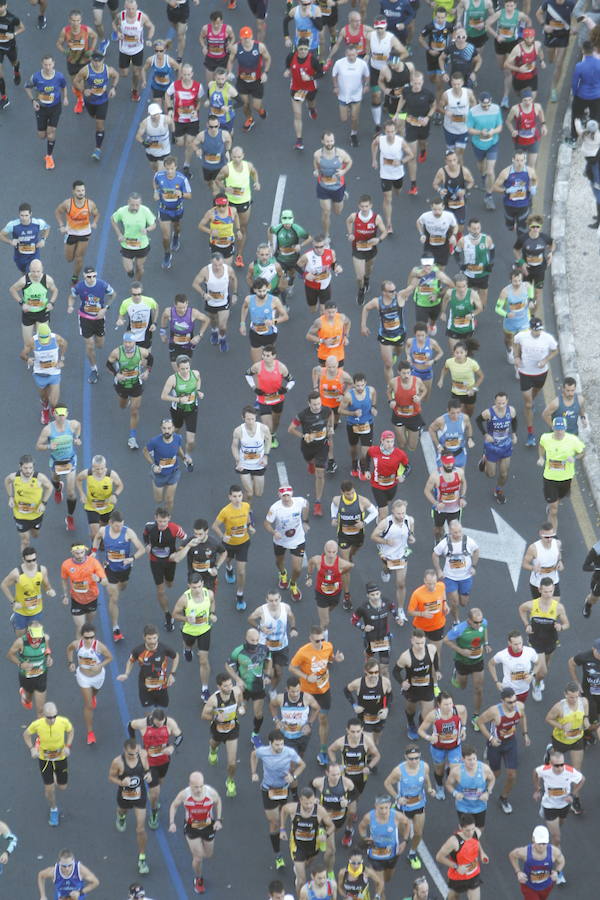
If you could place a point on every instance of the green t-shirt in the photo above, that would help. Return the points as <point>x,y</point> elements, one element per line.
<point>469,637</point>
<point>560,455</point>
<point>250,664</point>
<point>287,238</point>
<point>133,225</point>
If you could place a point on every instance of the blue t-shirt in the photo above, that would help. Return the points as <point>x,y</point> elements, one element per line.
<point>168,200</point>
<point>484,119</point>
<point>91,298</point>
<point>48,89</point>
<point>165,454</point>
<point>276,765</point>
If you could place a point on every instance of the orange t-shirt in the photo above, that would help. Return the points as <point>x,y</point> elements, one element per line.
<point>79,575</point>
<point>314,662</point>
<point>433,601</point>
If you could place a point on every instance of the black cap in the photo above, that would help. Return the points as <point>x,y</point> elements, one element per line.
<point>136,891</point>
<point>371,587</point>
<point>536,324</point>
<point>331,304</point>
<point>89,270</point>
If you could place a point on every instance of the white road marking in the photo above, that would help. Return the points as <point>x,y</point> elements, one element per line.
<point>504,545</point>
<point>432,867</point>
<point>282,474</point>
<point>278,203</point>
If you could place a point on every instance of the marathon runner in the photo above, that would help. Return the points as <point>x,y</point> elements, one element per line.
<point>32,655</point>
<point>29,582</point>
<point>222,710</point>
<point>196,609</point>
<point>234,526</point>
<point>119,542</point>
<point>130,366</point>
<point>28,493</point>
<point>94,296</point>
<point>90,671</point>
<point>27,235</point>
<point>203,810</point>
<point>51,747</point>
<point>154,677</point>
<point>294,713</point>
<point>160,539</point>
<point>47,89</point>
<point>36,293</point>
<point>409,785</point>
<point>156,731</point>
<point>81,574</point>
<point>287,522</point>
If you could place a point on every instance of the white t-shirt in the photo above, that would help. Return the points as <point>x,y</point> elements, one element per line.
<point>532,350</point>
<point>557,785</point>
<point>436,228</point>
<point>287,520</point>
<point>516,669</point>
<point>350,76</point>
<point>390,158</point>
<point>457,565</point>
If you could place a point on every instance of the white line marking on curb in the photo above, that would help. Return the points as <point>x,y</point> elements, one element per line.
<point>432,868</point>
<point>278,203</point>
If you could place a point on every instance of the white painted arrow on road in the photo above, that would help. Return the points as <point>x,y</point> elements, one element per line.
<point>505,545</point>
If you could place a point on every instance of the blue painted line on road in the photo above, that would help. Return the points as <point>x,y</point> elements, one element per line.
<point>87,422</point>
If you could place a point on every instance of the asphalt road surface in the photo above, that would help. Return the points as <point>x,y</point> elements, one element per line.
<point>243,861</point>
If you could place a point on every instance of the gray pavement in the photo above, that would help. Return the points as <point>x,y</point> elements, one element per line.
<point>88,805</point>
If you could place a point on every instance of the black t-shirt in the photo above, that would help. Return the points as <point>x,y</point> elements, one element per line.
<point>533,250</point>
<point>590,677</point>
<point>312,423</point>
<point>153,665</point>
<point>203,557</point>
<point>8,24</point>
<point>377,617</point>
<point>417,103</point>
<point>437,38</point>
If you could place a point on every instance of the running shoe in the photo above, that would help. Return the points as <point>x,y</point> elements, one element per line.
<point>214,336</point>
<point>175,243</point>
<point>347,601</point>
<point>167,261</point>
<point>437,118</point>
<point>413,190</point>
<point>256,741</point>
<point>103,47</point>
<point>121,822</point>
<point>317,509</point>
<point>213,757</point>
<point>248,124</point>
<point>54,817</point>
<point>312,113</point>
<point>45,417</point>
<point>153,822</point>
<point>402,620</point>
<point>230,788</point>
<point>347,838</point>
<point>279,862</point>
<point>576,806</point>
<point>475,722</point>
<point>41,22</point>
<point>239,261</point>
<point>91,738</point>
<point>117,636</point>
<point>4,102</point>
<point>97,154</point>
<point>205,694</point>
<point>385,576</point>
<point>489,202</point>
<point>499,496</point>
<point>295,592</point>
<point>354,472</point>
<point>16,76</point>
<point>422,156</point>
<point>229,575</point>
<point>199,882</point>
<point>135,96</point>
<point>322,758</point>
<point>481,464</point>
<point>188,655</point>
<point>132,443</point>
<point>78,108</point>
<point>169,623</point>
<point>49,161</point>
<point>93,376</point>
<point>24,701</point>
<point>504,103</point>
<point>531,441</point>
<point>332,467</point>
<point>505,805</point>
<point>223,344</point>
<point>299,145</point>
<point>431,329</point>
<point>189,463</point>
<point>560,878</point>
<point>284,581</point>
<point>440,793</point>
<point>58,494</point>
<point>353,140</point>
<point>587,610</point>
<point>70,523</point>
<point>414,860</point>
<point>143,867</point>
<point>262,113</point>
<point>274,442</point>
<point>188,173</point>
<point>240,603</point>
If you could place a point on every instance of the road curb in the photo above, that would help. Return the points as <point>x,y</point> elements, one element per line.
<point>561,301</point>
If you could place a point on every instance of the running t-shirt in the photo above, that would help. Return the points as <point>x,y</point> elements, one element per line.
<point>133,225</point>
<point>484,120</point>
<point>557,785</point>
<point>51,736</point>
<point>313,661</point>
<point>534,349</point>
<point>235,523</point>
<point>462,375</point>
<point>422,599</point>
<point>515,669</point>
<point>560,455</point>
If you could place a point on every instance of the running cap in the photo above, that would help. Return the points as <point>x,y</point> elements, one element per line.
<point>447,459</point>
<point>427,260</point>
<point>129,336</point>
<point>136,891</point>
<point>592,125</point>
<point>536,324</point>
<point>35,631</point>
<point>596,645</point>
<point>559,423</point>
<point>78,547</point>
<point>96,55</point>
<point>526,93</point>
<point>89,270</point>
<point>43,329</point>
<point>387,434</point>
<point>154,109</point>
<point>380,22</point>
<point>371,587</point>
<point>287,216</point>
<point>246,32</point>
<point>485,95</point>
<point>529,32</point>
<point>220,201</point>
<point>331,304</point>
<point>61,411</point>
<point>540,835</point>
<point>285,489</point>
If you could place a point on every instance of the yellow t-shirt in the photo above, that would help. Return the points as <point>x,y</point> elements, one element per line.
<point>52,737</point>
<point>560,456</point>
<point>462,374</point>
<point>235,524</point>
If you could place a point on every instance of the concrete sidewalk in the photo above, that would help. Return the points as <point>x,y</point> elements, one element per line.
<point>576,293</point>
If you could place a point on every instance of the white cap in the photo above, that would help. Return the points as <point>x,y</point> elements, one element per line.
<point>154,109</point>
<point>540,835</point>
